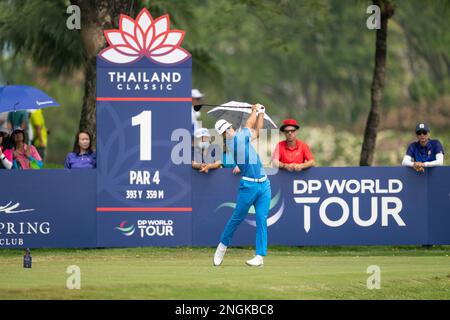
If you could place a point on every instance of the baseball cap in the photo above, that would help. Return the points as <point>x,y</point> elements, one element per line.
<point>196,94</point>
<point>222,125</point>
<point>201,132</point>
<point>422,127</point>
<point>289,123</point>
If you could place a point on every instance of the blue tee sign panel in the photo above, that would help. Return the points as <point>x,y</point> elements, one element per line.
<point>318,206</point>
<point>143,96</point>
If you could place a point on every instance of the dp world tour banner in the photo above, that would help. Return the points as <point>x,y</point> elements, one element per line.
<point>319,206</point>
<point>142,193</point>
<point>347,206</point>
<point>143,110</point>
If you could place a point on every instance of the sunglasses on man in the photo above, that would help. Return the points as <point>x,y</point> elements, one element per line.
<point>290,131</point>
<point>422,132</point>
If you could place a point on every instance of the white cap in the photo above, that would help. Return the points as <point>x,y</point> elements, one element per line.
<point>196,94</point>
<point>222,125</point>
<point>201,132</point>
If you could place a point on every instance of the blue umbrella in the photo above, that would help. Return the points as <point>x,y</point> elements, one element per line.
<point>13,98</point>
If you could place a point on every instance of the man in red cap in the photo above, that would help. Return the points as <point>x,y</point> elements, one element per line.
<point>292,154</point>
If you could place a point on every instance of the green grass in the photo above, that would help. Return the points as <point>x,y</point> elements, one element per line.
<point>53,166</point>
<point>187,273</point>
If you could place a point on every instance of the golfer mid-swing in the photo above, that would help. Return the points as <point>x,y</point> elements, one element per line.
<point>254,186</point>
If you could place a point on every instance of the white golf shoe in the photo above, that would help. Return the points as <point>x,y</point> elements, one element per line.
<point>220,253</point>
<point>257,261</point>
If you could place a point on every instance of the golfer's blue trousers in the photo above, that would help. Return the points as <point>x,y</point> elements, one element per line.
<point>251,193</point>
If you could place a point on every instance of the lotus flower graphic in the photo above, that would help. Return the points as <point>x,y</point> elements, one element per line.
<point>144,37</point>
<point>271,220</point>
<point>127,231</point>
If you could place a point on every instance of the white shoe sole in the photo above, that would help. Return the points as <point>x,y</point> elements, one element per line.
<point>252,265</point>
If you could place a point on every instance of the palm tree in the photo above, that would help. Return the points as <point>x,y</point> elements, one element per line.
<point>373,120</point>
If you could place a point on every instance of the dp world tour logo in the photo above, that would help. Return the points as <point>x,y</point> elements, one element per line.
<point>126,231</point>
<point>147,37</point>
<point>273,203</point>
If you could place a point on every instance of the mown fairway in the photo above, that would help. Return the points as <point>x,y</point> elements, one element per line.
<point>187,273</point>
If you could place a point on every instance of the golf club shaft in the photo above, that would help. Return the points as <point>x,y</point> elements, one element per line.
<point>197,107</point>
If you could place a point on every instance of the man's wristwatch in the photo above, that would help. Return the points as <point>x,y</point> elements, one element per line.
<point>3,157</point>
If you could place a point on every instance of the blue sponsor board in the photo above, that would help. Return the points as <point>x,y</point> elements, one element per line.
<point>322,206</point>
<point>134,137</point>
<point>347,206</point>
<point>139,108</point>
<point>48,208</point>
<point>134,229</point>
<point>437,190</point>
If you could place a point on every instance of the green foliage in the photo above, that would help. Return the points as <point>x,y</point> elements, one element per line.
<point>38,29</point>
<point>314,59</point>
<point>308,59</point>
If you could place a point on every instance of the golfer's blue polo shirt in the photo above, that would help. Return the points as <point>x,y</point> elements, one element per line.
<point>427,153</point>
<point>245,156</point>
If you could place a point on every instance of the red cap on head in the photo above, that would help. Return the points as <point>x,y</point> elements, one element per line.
<point>289,123</point>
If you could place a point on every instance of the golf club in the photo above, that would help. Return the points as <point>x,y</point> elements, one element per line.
<point>197,107</point>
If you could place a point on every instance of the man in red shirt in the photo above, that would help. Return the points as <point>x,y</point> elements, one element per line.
<point>292,153</point>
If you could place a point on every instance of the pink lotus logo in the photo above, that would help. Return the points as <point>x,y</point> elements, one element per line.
<point>144,37</point>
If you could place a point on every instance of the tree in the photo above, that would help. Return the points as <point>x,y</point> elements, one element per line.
<point>37,30</point>
<point>379,73</point>
<point>97,16</point>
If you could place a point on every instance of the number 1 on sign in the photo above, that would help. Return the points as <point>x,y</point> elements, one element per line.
<point>144,120</point>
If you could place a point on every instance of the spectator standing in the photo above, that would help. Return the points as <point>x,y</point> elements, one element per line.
<point>83,155</point>
<point>40,132</point>
<point>204,155</point>
<point>5,154</point>
<point>24,156</point>
<point>292,154</point>
<point>424,152</point>
<point>19,119</point>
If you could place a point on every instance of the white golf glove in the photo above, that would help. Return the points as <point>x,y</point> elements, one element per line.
<point>261,108</point>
